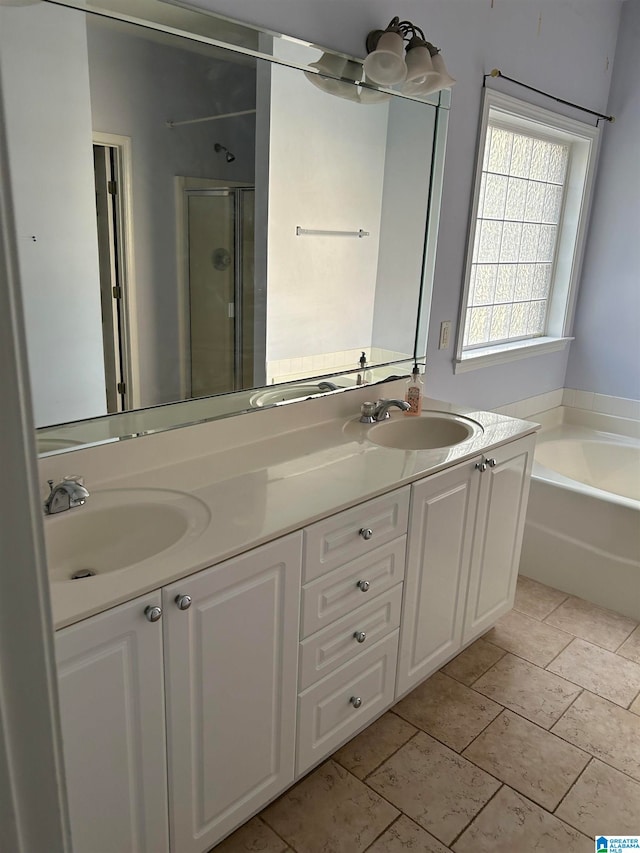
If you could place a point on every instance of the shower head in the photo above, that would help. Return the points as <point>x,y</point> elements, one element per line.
<point>229,157</point>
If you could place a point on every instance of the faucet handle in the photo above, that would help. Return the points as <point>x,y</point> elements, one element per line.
<point>367,413</point>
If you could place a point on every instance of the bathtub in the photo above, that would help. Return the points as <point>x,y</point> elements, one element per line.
<point>582,530</point>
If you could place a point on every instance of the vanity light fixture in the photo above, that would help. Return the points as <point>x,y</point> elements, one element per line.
<point>419,66</point>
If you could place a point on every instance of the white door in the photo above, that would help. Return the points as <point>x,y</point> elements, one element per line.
<point>438,558</point>
<point>231,672</point>
<point>504,491</point>
<point>112,710</point>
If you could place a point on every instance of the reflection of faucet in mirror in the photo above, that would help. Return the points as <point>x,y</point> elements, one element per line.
<point>65,495</point>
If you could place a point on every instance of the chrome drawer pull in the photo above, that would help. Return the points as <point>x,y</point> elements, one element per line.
<point>356,701</point>
<point>481,466</point>
<point>491,463</point>
<point>360,636</point>
<point>183,602</point>
<point>363,585</point>
<point>366,532</point>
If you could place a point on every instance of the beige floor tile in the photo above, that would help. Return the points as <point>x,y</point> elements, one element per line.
<point>635,706</point>
<point>511,824</point>
<point>602,672</point>
<point>631,647</point>
<point>590,622</point>
<point>534,693</point>
<point>603,801</point>
<point>434,786</point>
<point>405,835</point>
<point>536,599</point>
<point>605,730</point>
<point>473,662</point>
<point>448,710</point>
<point>329,810</point>
<point>537,764</point>
<point>252,837</point>
<point>374,745</point>
<point>528,638</point>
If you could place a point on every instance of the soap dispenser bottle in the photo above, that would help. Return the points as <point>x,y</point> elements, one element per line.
<point>415,389</point>
<point>362,373</point>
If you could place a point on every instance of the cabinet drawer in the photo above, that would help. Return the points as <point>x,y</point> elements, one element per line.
<point>335,540</point>
<point>337,593</point>
<point>326,714</point>
<point>337,644</point>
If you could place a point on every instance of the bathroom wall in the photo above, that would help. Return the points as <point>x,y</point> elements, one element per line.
<point>561,46</point>
<point>319,179</point>
<point>43,52</point>
<point>605,357</point>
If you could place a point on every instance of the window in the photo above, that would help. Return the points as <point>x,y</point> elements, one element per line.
<point>533,181</point>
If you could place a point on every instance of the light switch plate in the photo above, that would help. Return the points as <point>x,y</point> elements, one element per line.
<point>445,334</point>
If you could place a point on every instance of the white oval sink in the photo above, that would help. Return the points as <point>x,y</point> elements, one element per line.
<point>429,431</point>
<point>117,529</point>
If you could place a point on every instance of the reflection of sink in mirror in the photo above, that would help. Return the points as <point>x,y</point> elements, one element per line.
<point>429,431</point>
<point>119,528</point>
<point>272,396</point>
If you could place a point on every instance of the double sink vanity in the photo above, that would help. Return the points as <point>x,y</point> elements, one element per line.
<point>244,609</point>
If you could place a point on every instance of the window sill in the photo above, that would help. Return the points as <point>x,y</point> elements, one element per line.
<point>488,356</point>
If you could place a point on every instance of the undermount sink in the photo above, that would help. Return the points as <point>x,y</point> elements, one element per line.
<point>429,431</point>
<point>119,528</point>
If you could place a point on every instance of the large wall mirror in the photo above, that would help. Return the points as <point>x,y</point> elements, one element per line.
<point>204,226</point>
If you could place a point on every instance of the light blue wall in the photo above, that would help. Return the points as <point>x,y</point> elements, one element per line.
<point>561,46</point>
<point>605,356</point>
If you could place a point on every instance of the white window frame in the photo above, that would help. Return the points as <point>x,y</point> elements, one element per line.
<point>584,140</point>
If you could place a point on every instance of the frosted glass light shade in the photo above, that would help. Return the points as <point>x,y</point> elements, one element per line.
<point>385,65</point>
<point>338,67</point>
<point>446,80</point>
<point>420,72</point>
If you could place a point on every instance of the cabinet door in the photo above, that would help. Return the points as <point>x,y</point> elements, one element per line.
<point>438,557</point>
<point>504,490</point>
<point>231,666</point>
<point>112,712</point>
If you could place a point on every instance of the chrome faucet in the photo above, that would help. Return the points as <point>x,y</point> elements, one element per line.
<point>65,495</point>
<point>371,413</point>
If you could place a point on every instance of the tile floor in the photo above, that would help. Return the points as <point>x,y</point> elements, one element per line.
<point>529,740</point>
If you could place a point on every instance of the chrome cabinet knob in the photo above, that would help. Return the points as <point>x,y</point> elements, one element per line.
<point>360,636</point>
<point>491,463</point>
<point>481,466</point>
<point>183,602</point>
<point>153,613</point>
<point>366,532</point>
<point>363,585</point>
<point>356,701</point>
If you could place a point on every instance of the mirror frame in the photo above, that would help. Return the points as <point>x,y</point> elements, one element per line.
<point>207,27</point>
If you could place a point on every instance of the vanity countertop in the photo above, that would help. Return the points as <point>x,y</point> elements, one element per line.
<point>257,491</point>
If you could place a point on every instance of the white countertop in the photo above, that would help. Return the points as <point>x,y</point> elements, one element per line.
<point>258,491</point>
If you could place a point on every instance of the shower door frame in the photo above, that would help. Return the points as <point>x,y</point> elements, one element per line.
<point>184,188</point>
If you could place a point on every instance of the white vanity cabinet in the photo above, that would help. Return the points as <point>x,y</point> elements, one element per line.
<point>353,571</point>
<point>465,532</point>
<point>111,689</point>
<point>502,505</point>
<point>231,676</point>
<point>266,663</point>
